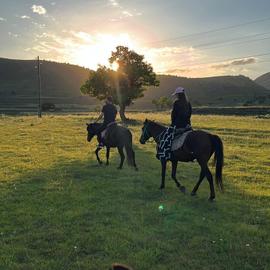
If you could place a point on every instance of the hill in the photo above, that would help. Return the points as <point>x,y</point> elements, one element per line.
<point>61,85</point>
<point>212,91</point>
<point>264,80</point>
<point>60,82</point>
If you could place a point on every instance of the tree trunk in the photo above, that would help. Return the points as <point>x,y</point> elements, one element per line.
<point>122,113</point>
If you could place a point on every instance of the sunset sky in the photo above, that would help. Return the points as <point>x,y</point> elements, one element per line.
<point>189,38</point>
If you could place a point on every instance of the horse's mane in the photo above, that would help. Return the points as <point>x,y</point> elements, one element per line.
<point>157,124</point>
<point>93,126</point>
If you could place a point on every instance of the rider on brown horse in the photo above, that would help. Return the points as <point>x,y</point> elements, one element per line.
<point>181,113</point>
<point>108,113</point>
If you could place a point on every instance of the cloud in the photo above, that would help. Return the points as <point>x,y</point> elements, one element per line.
<point>89,50</point>
<point>39,9</point>
<point>41,49</point>
<point>233,67</point>
<point>127,13</point>
<point>38,25</point>
<point>2,19</point>
<point>123,12</point>
<point>114,3</point>
<point>83,36</point>
<point>25,17</point>
<point>80,48</point>
<point>173,59</point>
<point>13,35</point>
<point>239,62</point>
<point>177,71</point>
<point>53,3</point>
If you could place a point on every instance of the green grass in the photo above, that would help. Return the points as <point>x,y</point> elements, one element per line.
<point>60,210</point>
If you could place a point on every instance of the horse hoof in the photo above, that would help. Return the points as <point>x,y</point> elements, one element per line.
<point>107,163</point>
<point>193,193</point>
<point>161,187</point>
<point>182,189</point>
<point>119,168</point>
<point>211,199</point>
<point>136,169</point>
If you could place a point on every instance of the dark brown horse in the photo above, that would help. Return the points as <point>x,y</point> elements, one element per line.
<point>198,145</point>
<point>116,136</point>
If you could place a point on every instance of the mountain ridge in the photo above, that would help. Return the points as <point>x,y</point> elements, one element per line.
<point>61,85</point>
<point>264,80</point>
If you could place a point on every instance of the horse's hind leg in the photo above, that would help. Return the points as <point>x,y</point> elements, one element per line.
<point>174,168</point>
<point>122,156</point>
<point>134,162</point>
<point>202,175</point>
<point>205,172</point>
<point>107,155</point>
<point>211,184</point>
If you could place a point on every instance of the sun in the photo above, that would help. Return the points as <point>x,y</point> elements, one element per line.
<point>114,66</point>
<point>97,51</point>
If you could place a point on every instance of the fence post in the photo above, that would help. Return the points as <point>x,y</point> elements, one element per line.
<point>39,89</point>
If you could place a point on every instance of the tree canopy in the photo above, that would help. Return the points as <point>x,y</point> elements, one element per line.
<point>127,83</point>
<point>162,103</point>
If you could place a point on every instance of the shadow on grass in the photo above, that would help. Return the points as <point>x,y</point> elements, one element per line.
<point>79,215</point>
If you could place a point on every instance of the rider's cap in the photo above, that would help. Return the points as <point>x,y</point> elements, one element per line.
<point>178,90</point>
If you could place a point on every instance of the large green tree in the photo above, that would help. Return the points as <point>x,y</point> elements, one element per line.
<point>127,83</point>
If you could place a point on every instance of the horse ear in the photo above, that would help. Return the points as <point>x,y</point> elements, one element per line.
<point>146,120</point>
<point>87,124</point>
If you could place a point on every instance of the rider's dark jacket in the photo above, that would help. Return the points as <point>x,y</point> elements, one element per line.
<point>180,116</point>
<point>109,116</point>
<point>109,112</point>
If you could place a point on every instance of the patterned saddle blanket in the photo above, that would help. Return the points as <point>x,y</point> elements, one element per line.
<point>170,140</point>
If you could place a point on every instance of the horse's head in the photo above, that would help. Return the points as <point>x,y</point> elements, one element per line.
<point>91,131</point>
<point>146,133</point>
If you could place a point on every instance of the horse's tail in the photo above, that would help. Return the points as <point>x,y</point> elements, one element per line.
<point>218,160</point>
<point>130,153</point>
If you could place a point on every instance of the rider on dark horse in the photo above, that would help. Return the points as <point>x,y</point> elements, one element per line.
<point>108,113</point>
<point>181,113</point>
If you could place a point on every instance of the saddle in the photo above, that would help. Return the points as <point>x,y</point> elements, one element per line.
<point>104,133</point>
<point>179,139</point>
<point>181,131</point>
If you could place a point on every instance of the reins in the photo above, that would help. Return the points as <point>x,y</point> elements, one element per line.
<point>155,138</point>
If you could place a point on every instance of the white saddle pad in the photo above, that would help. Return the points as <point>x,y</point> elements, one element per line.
<point>179,141</point>
<point>103,133</point>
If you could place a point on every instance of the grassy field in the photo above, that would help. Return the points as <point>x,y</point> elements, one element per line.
<point>60,210</point>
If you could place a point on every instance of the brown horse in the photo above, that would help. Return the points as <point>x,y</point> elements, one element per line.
<point>198,145</point>
<point>116,136</point>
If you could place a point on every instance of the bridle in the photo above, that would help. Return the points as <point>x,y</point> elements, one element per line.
<point>146,132</point>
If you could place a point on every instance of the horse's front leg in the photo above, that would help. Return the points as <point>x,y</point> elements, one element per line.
<point>174,168</point>
<point>96,152</point>
<point>163,173</point>
<point>107,155</point>
<point>122,156</point>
